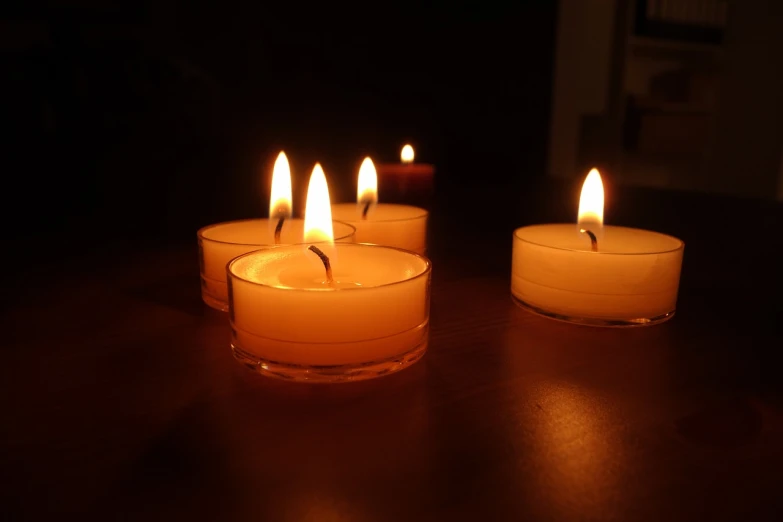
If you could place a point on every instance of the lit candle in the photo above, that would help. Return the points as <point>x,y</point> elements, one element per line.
<point>595,274</point>
<point>222,242</point>
<point>407,180</point>
<point>401,226</point>
<point>331,312</point>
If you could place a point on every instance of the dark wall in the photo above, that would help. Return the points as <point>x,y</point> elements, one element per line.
<point>152,120</point>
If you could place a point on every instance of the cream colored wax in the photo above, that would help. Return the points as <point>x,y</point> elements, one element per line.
<point>633,278</point>
<point>283,311</point>
<point>401,226</point>
<point>220,243</point>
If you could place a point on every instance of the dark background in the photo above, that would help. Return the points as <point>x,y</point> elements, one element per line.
<point>152,119</point>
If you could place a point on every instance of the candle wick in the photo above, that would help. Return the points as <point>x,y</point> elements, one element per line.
<point>279,229</point>
<point>366,209</point>
<point>325,261</point>
<point>593,240</point>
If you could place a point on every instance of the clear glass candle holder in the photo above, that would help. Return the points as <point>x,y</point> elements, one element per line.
<point>220,243</point>
<point>288,321</point>
<point>388,224</point>
<point>631,280</point>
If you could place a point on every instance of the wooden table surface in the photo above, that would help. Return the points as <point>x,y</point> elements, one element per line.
<point>121,400</point>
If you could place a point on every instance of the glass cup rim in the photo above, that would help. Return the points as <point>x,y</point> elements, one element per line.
<point>680,243</point>
<point>424,214</point>
<point>424,273</point>
<point>202,230</point>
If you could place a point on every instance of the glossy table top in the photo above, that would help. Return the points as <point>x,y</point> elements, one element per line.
<point>121,399</point>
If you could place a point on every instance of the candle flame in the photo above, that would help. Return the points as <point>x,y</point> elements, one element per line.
<point>591,202</point>
<point>318,210</point>
<point>280,200</point>
<point>367,185</point>
<point>406,154</point>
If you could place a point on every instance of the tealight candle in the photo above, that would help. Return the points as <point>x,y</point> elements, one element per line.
<point>594,274</point>
<point>336,312</point>
<point>401,226</point>
<point>222,242</point>
<point>409,180</point>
